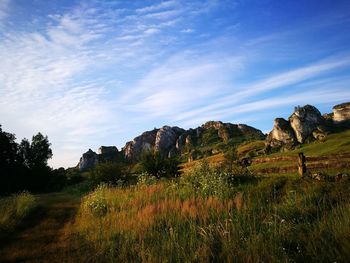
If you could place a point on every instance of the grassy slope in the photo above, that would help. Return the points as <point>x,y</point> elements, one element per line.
<point>280,219</point>
<point>338,143</point>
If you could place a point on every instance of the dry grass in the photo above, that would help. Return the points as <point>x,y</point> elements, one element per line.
<point>270,221</point>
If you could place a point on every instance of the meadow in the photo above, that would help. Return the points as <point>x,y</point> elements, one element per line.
<point>209,215</point>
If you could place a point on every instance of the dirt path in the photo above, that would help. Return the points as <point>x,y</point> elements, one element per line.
<point>41,238</point>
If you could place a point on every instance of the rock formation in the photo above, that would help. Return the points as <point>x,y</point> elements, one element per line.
<point>307,122</point>
<point>341,112</point>
<point>304,121</point>
<point>166,140</point>
<point>88,160</point>
<point>282,133</point>
<point>105,150</point>
<point>145,142</point>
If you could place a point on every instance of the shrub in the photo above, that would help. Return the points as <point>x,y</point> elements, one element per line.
<point>108,173</point>
<point>153,163</point>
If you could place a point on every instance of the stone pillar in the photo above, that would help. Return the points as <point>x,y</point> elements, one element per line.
<point>301,164</point>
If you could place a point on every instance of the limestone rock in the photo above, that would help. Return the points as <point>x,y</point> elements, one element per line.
<point>341,112</point>
<point>320,134</point>
<point>166,139</point>
<point>282,133</point>
<point>180,142</point>
<point>304,121</point>
<point>105,150</point>
<point>145,142</point>
<point>88,160</point>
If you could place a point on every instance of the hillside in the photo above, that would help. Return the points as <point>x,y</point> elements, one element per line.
<point>331,155</point>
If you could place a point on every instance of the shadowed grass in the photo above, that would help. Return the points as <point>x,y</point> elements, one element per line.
<point>14,209</point>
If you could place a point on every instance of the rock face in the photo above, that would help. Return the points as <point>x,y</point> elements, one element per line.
<point>104,150</point>
<point>307,122</point>
<point>166,139</point>
<point>304,121</point>
<point>88,160</point>
<point>341,112</point>
<point>171,141</point>
<point>145,142</point>
<point>282,133</point>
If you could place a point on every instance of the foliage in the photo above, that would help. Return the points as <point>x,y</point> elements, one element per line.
<point>109,172</point>
<point>14,209</point>
<point>24,165</point>
<point>146,179</point>
<point>153,163</point>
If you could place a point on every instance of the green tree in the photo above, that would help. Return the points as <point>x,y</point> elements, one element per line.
<point>155,164</point>
<point>36,153</point>
<point>10,164</point>
<point>108,172</point>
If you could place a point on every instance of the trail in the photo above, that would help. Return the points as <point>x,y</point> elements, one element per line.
<point>41,237</point>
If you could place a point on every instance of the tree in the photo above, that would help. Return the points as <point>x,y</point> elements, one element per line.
<point>36,153</point>
<point>9,162</point>
<point>108,172</point>
<point>155,164</point>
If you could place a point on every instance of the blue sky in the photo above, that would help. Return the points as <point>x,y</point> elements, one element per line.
<point>91,73</point>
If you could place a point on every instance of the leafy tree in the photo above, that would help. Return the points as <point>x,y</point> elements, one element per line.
<point>9,162</point>
<point>155,164</point>
<point>36,153</point>
<point>107,173</point>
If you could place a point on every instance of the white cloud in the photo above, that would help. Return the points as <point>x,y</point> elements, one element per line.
<point>278,81</point>
<point>157,7</point>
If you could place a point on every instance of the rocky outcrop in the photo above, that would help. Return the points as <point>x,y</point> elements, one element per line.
<point>307,122</point>
<point>172,141</point>
<point>166,140</point>
<point>145,142</point>
<point>304,121</point>
<point>106,150</point>
<point>282,133</point>
<point>341,112</point>
<point>88,160</point>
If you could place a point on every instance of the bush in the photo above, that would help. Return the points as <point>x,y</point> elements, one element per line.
<point>155,164</point>
<point>113,173</point>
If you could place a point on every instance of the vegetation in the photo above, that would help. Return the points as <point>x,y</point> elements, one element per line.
<point>14,209</point>
<point>153,163</point>
<point>208,215</point>
<point>24,165</point>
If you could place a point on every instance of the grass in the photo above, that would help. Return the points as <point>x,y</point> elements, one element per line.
<point>14,209</point>
<point>337,143</point>
<point>211,216</point>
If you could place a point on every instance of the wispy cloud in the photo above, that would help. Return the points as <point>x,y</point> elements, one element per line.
<point>4,9</point>
<point>100,72</point>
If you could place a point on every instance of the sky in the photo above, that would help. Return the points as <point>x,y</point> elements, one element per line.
<point>91,73</point>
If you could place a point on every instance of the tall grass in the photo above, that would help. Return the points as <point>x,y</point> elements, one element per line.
<point>14,209</point>
<point>277,219</point>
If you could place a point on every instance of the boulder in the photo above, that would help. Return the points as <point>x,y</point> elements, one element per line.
<point>88,160</point>
<point>282,133</point>
<point>304,121</point>
<point>341,112</point>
